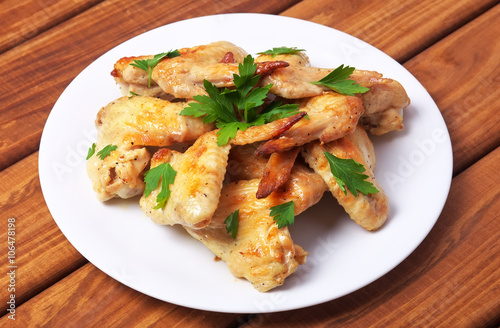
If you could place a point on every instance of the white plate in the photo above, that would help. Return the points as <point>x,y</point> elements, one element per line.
<point>413,166</point>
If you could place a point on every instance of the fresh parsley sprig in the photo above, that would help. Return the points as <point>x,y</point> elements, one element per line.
<point>149,64</point>
<point>166,174</point>
<point>283,214</point>
<point>238,108</point>
<point>91,151</point>
<point>106,151</point>
<point>348,172</point>
<point>338,81</point>
<point>232,223</point>
<point>281,51</point>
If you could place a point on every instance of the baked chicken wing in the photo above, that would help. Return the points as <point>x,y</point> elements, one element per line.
<point>197,186</point>
<point>369,211</point>
<point>329,116</point>
<point>130,124</point>
<point>260,253</point>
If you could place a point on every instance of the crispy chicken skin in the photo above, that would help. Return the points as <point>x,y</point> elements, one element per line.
<point>195,192</point>
<point>130,123</point>
<point>183,76</point>
<point>383,103</point>
<point>260,253</point>
<point>147,121</point>
<point>330,116</point>
<point>267,131</point>
<point>369,211</point>
<point>277,171</point>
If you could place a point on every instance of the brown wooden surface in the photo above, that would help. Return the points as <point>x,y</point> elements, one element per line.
<point>451,280</point>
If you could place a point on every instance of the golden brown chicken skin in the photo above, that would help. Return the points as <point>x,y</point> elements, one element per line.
<point>369,211</point>
<point>260,253</point>
<point>329,116</point>
<point>195,192</point>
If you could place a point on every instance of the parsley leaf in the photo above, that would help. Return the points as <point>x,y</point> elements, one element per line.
<point>348,172</point>
<point>232,223</point>
<point>338,80</point>
<point>283,214</point>
<point>167,174</point>
<point>149,64</point>
<point>103,153</point>
<point>238,108</point>
<point>91,151</point>
<point>132,93</point>
<point>281,51</point>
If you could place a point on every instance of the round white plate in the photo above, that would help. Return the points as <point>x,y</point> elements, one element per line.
<point>414,167</point>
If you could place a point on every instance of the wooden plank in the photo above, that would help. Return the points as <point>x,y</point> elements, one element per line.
<point>43,255</point>
<point>450,280</point>
<point>399,28</point>
<point>34,74</point>
<point>24,19</point>
<point>462,74</point>
<point>88,297</point>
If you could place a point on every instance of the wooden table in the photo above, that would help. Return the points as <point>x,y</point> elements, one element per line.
<point>452,46</point>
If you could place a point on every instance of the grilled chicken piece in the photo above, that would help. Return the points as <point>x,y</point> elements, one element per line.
<point>261,253</point>
<point>330,116</point>
<point>369,211</point>
<point>133,80</point>
<point>383,104</point>
<point>130,123</point>
<point>119,174</point>
<point>196,189</point>
<point>147,121</point>
<point>180,77</point>
<point>183,76</point>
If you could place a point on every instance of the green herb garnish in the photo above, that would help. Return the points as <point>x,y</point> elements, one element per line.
<point>232,223</point>
<point>91,151</point>
<point>283,214</point>
<point>338,81</point>
<point>149,64</point>
<point>103,153</point>
<point>238,108</point>
<point>166,174</point>
<point>348,172</point>
<point>281,51</point>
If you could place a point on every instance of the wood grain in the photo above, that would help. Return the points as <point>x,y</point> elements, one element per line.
<point>43,255</point>
<point>462,74</point>
<point>35,73</point>
<point>450,280</point>
<point>399,28</point>
<point>88,297</point>
<point>25,19</point>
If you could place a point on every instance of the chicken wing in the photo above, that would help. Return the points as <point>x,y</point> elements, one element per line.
<point>196,189</point>
<point>119,175</point>
<point>176,76</point>
<point>383,103</point>
<point>261,253</point>
<point>330,116</point>
<point>369,211</point>
<point>147,121</point>
<point>130,123</point>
